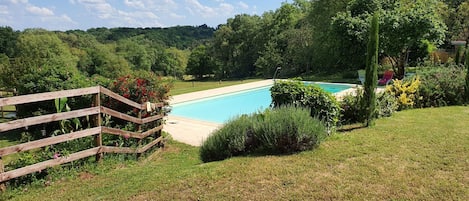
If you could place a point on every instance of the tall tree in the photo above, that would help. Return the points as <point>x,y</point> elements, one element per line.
<point>200,63</point>
<point>37,48</point>
<point>222,50</point>
<point>134,50</point>
<point>405,26</point>
<point>105,62</point>
<point>328,52</point>
<point>369,96</point>
<point>466,86</point>
<point>8,39</point>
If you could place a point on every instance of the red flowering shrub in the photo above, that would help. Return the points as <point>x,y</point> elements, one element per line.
<point>150,88</point>
<point>141,88</point>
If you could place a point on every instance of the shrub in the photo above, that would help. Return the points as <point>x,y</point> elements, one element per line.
<point>405,92</point>
<point>228,141</point>
<point>142,87</point>
<point>351,108</point>
<point>323,104</point>
<point>287,92</point>
<point>139,87</point>
<point>285,129</point>
<point>441,86</point>
<point>386,105</point>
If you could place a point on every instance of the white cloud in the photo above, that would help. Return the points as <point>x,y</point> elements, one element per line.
<point>196,8</point>
<point>104,10</point>
<point>135,19</point>
<point>226,8</point>
<point>4,10</point>
<point>19,1</point>
<point>66,18</point>
<point>243,5</point>
<point>39,11</point>
<point>134,3</point>
<point>152,5</point>
<point>176,16</point>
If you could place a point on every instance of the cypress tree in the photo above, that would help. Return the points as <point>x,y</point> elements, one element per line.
<point>466,87</point>
<point>457,58</point>
<point>369,96</point>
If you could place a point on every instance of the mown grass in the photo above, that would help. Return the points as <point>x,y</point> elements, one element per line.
<point>414,155</point>
<point>181,87</point>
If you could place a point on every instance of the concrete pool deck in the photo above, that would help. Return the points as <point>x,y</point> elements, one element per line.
<point>194,132</point>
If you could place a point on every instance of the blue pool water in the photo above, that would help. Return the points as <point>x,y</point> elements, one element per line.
<point>220,109</point>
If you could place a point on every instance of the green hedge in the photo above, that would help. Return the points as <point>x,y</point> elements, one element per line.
<point>352,112</point>
<point>322,104</point>
<point>285,129</point>
<point>441,86</point>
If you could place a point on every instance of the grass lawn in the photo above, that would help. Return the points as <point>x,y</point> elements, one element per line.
<point>415,155</point>
<point>181,87</point>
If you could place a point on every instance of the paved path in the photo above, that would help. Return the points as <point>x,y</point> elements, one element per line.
<point>192,131</point>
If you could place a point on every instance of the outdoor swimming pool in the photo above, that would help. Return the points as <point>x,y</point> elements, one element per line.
<point>220,109</point>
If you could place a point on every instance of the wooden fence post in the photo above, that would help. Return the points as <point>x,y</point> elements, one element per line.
<point>2,169</point>
<point>139,129</point>
<point>97,122</point>
<point>161,122</point>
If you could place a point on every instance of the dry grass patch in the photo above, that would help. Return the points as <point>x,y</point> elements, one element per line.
<point>415,155</point>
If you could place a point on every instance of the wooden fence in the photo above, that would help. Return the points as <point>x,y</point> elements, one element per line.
<point>97,130</point>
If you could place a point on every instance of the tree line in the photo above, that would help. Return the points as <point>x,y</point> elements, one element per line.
<point>319,36</point>
<point>62,59</point>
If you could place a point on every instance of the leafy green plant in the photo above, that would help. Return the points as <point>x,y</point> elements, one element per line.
<point>386,105</point>
<point>322,104</point>
<point>25,159</point>
<point>281,130</point>
<point>66,125</point>
<point>441,86</point>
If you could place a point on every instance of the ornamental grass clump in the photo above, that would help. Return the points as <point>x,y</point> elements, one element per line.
<point>283,130</point>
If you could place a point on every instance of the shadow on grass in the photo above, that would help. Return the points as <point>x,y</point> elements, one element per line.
<point>349,128</point>
<point>10,136</point>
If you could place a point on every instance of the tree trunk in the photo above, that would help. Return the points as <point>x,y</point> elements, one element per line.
<point>401,65</point>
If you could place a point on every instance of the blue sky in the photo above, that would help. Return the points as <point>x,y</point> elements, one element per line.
<point>85,14</point>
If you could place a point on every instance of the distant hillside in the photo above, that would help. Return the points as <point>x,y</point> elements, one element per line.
<point>181,37</point>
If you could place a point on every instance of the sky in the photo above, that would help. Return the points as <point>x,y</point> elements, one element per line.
<point>84,14</point>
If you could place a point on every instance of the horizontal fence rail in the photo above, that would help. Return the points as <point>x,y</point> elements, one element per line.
<point>97,130</point>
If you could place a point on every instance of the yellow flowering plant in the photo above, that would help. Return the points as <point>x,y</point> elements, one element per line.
<point>405,92</point>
